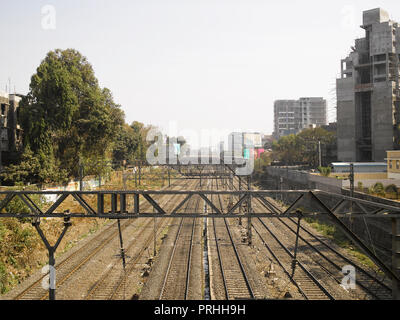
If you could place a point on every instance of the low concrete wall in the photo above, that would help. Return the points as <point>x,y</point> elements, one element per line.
<point>330,184</point>
<point>393,175</point>
<point>71,186</point>
<point>326,183</point>
<point>306,180</point>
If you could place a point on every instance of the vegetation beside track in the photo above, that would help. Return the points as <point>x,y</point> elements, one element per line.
<point>332,232</point>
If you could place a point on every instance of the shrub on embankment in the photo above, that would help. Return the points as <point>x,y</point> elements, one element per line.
<point>19,242</point>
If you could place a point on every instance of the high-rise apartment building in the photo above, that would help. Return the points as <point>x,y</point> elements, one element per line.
<point>292,116</point>
<point>368,114</point>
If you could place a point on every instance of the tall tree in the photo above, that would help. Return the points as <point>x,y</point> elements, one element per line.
<point>131,142</point>
<point>66,116</point>
<point>303,147</point>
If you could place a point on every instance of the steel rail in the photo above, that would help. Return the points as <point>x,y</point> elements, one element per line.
<point>308,273</point>
<point>240,263</point>
<point>280,263</point>
<point>330,260</point>
<point>81,262</point>
<point>134,260</point>
<point>220,261</point>
<point>172,256</point>
<point>76,253</point>
<point>189,263</point>
<point>137,257</point>
<point>358,268</point>
<point>77,267</point>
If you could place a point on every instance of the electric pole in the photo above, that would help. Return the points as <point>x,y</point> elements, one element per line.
<point>319,153</point>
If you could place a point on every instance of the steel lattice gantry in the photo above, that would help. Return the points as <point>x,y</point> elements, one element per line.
<point>128,204</point>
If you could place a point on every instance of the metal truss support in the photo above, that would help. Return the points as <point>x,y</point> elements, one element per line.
<point>294,261</point>
<point>396,257</point>
<point>154,237</point>
<point>249,211</point>
<point>121,208</point>
<point>121,243</point>
<point>51,251</point>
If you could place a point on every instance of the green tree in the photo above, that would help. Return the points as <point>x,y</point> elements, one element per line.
<point>29,170</point>
<point>303,147</point>
<point>130,143</point>
<point>309,140</point>
<point>124,146</point>
<point>287,150</point>
<point>66,116</point>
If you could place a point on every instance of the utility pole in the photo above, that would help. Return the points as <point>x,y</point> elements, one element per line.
<point>240,207</point>
<point>351,178</point>
<point>140,178</point>
<point>319,154</point>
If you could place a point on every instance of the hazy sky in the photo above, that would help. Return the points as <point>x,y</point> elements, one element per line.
<point>202,64</point>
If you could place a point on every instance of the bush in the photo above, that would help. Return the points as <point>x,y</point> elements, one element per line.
<point>18,241</point>
<point>392,191</point>
<point>325,171</point>
<point>391,188</point>
<point>378,189</point>
<point>3,278</point>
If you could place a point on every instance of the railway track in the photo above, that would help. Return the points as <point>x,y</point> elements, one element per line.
<point>177,279</point>
<point>320,264</point>
<point>112,283</point>
<point>235,281</point>
<point>332,261</point>
<point>74,262</point>
<point>309,286</point>
<point>329,261</point>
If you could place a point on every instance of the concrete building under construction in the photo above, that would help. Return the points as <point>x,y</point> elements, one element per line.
<point>292,116</point>
<point>368,96</point>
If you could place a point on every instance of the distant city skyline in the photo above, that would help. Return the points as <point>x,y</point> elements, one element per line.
<point>202,65</point>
